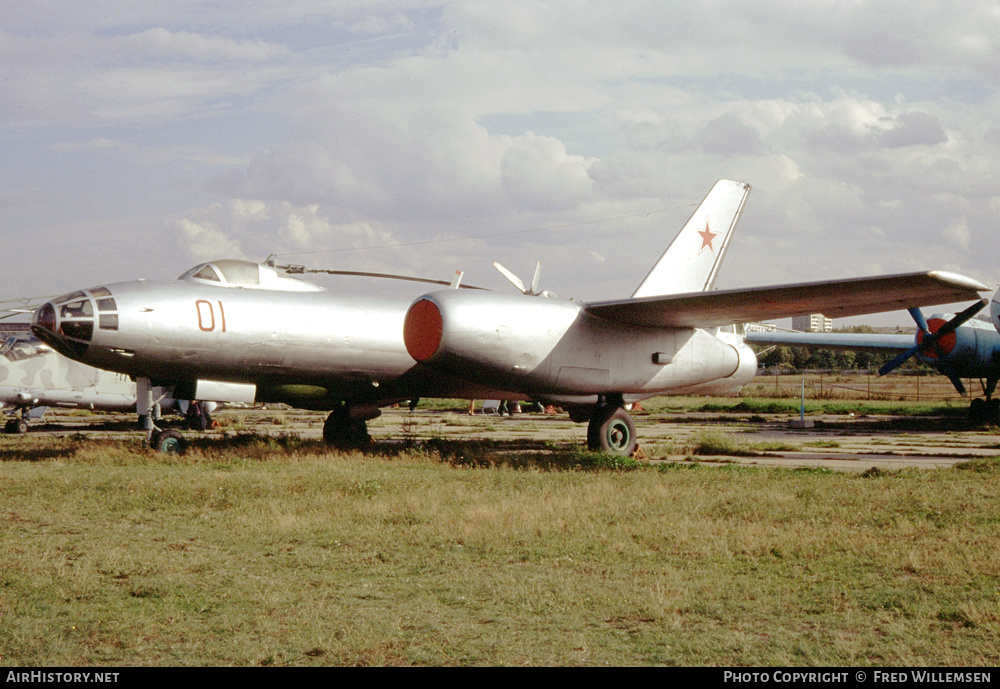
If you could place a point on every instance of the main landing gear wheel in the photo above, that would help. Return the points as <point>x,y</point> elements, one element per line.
<point>170,442</point>
<point>611,430</point>
<point>340,430</point>
<point>16,426</point>
<point>984,411</point>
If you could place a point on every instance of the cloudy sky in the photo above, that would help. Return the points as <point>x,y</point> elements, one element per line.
<point>140,138</point>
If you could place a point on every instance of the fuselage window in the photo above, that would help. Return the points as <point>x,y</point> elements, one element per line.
<point>81,330</point>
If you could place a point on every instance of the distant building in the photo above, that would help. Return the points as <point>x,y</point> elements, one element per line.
<point>813,323</point>
<point>761,327</point>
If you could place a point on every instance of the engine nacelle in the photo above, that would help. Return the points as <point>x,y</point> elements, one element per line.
<point>548,347</point>
<point>471,335</point>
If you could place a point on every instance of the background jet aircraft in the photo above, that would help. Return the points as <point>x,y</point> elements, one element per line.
<point>956,345</point>
<point>34,377</point>
<point>236,331</point>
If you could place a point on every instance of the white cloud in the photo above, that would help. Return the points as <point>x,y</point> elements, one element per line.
<point>958,233</point>
<point>537,172</point>
<point>242,228</point>
<point>249,209</point>
<point>206,241</point>
<point>162,44</point>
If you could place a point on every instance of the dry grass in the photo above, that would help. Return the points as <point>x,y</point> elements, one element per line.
<point>260,552</point>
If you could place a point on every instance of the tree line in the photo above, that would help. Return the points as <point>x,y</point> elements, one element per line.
<point>811,358</point>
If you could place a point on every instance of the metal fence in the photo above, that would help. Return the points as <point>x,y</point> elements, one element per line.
<point>859,384</point>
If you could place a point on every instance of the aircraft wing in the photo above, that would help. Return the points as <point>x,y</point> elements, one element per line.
<point>832,298</point>
<point>14,307</point>
<point>876,342</point>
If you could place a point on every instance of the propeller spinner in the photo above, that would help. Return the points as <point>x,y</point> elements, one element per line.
<point>936,344</point>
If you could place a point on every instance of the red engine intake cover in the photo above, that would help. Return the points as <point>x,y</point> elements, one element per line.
<point>422,330</point>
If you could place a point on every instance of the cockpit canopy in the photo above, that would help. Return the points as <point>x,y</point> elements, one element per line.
<point>19,348</point>
<point>230,272</point>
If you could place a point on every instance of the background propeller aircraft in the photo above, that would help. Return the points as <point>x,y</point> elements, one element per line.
<point>958,346</point>
<point>236,331</point>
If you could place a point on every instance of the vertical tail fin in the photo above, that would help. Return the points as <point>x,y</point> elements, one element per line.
<point>693,259</point>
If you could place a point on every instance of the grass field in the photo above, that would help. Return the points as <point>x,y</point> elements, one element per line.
<point>258,551</point>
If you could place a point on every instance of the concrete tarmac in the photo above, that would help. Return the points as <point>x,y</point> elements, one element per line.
<point>842,443</point>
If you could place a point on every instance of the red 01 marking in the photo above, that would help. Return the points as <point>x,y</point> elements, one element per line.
<point>206,315</point>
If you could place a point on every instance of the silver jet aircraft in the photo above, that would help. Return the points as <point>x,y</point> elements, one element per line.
<point>236,331</point>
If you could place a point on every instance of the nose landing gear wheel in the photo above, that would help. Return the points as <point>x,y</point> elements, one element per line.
<point>611,430</point>
<point>169,442</point>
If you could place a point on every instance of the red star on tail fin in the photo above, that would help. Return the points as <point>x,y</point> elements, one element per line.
<point>706,239</point>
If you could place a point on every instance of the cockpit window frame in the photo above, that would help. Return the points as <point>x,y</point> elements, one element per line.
<point>241,274</point>
<point>72,296</point>
<point>82,308</point>
<point>207,272</point>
